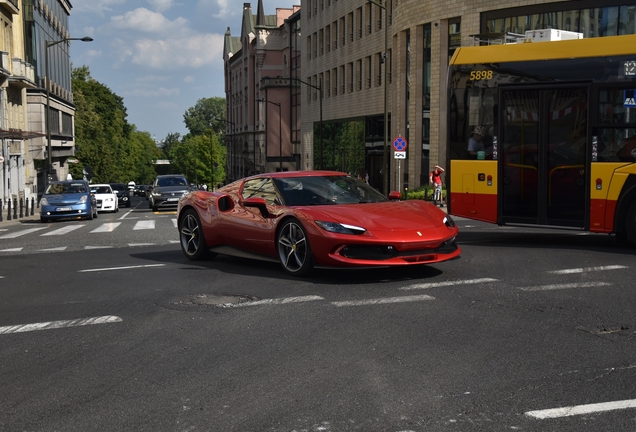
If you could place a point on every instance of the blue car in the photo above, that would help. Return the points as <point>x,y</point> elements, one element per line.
<point>68,199</point>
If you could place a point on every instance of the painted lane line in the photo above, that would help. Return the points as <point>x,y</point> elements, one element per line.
<point>126,214</point>
<point>21,233</point>
<point>588,269</point>
<point>120,268</point>
<point>388,300</point>
<point>57,249</point>
<point>59,324</point>
<point>565,286</point>
<point>107,227</point>
<point>174,222</point>
<point>174,241</point>
<point>12,250</point>
<point>448,283</point>
<point>62,231</point>
<point>279,301</point>
<point>141,244</point>
<point>581,409</point>
<point>98,247</point>
<point>144,225</point>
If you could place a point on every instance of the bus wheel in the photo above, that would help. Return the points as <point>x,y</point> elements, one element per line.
<point>630,223</point>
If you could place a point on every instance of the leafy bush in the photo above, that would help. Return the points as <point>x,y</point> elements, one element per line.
<point>424,193</point>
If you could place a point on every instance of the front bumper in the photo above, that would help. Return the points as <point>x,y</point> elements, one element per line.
<point>66,211</point>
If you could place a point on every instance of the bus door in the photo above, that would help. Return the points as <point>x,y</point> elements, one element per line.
<point>542,159</point>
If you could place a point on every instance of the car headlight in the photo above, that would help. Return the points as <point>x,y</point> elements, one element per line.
<point>339,228</point>
<point>43,202</point>
<point>109,200</point>
<point>156,194</point>
<point>83,199</point>
<point>449,222</point>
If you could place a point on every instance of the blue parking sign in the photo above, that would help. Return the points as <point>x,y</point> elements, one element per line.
<point>629,99</point>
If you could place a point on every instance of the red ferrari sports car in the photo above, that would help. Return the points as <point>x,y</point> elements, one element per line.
<point>308,219</point>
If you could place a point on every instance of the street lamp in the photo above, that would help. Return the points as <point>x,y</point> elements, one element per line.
<point>280,131</point>
<point>319,88</point>
<point>49,150</point>
<point>385,150</point>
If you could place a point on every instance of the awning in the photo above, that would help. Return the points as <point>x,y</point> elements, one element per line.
<point>18,134</point>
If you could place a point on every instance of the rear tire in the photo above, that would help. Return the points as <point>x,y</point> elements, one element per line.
<point>192,238</point>
<point>630,223</point>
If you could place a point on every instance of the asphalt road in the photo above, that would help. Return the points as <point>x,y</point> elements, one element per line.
<point>527,322</point>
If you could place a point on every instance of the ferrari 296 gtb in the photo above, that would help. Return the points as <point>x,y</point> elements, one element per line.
<point>314,219</point>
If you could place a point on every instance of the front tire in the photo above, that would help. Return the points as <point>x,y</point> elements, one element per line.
<point>293,247</point>
<point>192,238</point>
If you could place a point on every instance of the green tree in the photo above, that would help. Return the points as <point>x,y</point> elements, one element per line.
<point>205,115</point>
<point>102,133</point>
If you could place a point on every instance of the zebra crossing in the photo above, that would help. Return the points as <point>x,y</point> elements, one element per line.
<point>87,235</point>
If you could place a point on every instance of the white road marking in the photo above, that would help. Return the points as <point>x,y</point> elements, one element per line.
<point>387,300</point>
<point>12,250</point>
<point>141,244</point>
<point>588,269</point>
<point>143,225</point>
<point>21,328</point>
<point>173,241</point>
<point>21,233</point>
<point>447,283</point>
<point>126,214</point>
<point>565,286</point>
<point>581,409</point>
<point>174,222</point>
<point>120,268</point>
<point>61,231</point>
<point>57,249</point>
<point>98,247</point>
<point>278,301</point>
<point>107,227</point>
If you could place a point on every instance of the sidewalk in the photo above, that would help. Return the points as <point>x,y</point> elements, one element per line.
<point>17,220</point>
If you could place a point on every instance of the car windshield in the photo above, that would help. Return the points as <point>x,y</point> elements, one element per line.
<point>327,190</point>
<point>172,181</point>
<point>65,188</point>
<point>102,190</point>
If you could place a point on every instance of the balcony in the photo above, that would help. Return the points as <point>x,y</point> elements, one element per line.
<point>10,6</point>
<point>23,74</point>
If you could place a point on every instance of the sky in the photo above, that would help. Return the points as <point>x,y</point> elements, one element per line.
<point>160,56</point>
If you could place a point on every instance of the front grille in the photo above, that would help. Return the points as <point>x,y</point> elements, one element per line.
<point>380,253</point>
<point>375,253</point>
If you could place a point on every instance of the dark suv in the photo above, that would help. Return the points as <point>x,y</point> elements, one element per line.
<point>123,196</point>
<point>167,190</point>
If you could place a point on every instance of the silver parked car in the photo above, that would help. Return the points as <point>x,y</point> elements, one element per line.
<point>167,190</point>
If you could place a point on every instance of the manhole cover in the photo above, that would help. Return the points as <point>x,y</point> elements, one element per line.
<point>213,300</point>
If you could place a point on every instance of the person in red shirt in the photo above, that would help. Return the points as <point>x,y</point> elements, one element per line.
<point>436,179</point>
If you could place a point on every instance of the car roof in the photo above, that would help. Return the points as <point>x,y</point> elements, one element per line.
<point>67,181</point>
<point>287,174</point>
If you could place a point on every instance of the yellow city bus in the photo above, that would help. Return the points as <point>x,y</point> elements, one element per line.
<point>558,143</point>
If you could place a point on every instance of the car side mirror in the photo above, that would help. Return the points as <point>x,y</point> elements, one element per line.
<point>259,203</point>
<point>394,196</point>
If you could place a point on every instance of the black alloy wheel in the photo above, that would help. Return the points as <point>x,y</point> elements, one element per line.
<point>294,251</point>
<point>191,237</point>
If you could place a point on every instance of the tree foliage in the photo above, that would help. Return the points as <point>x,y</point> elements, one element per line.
<point>116,151</point>
<point>208,113</point>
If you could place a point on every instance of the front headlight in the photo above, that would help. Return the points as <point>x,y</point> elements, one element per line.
<point>156,194</point>
<point>339,228</point>
<point>83,199</point>
<point>43,202</point>
<point>449,222</point>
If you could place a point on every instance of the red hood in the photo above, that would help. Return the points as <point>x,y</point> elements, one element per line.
<point>386,216</point>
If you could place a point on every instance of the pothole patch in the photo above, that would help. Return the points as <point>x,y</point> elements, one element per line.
<point>213,300</point>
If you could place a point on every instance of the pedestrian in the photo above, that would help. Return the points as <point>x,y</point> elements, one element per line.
<point>435,178</point>
<point>476,143</point>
